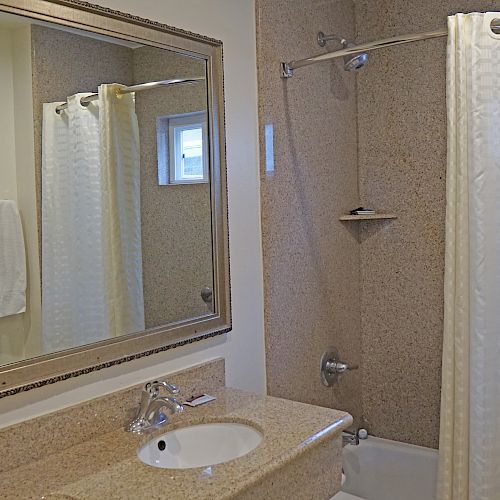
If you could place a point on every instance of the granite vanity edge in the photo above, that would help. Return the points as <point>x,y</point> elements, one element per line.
<point>308,445</point>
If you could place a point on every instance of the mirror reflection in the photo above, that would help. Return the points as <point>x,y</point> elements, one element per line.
<point>105,209</point>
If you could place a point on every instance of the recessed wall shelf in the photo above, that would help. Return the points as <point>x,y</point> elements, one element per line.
<point>377,216</point>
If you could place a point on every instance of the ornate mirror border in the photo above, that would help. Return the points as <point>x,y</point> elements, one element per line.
<point>51,368</point>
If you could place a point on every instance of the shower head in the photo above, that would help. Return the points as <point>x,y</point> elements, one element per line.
<point>354,62</point>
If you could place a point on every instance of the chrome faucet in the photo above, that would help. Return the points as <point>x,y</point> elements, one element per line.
<point>152,406</point>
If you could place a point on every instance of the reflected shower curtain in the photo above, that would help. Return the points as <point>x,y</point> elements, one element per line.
<point>91,233</point>
<point>469,462</point>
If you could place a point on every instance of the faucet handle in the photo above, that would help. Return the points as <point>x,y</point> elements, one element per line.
<point>156,410</point>
<point>335,366</point>
<point>151,406</point>
<point>153,388</point>
<point>331,367</point>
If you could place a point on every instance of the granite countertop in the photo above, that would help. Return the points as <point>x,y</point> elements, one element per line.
<point>107,466</point>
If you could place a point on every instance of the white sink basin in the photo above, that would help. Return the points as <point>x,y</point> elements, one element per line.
<point>200,445</point>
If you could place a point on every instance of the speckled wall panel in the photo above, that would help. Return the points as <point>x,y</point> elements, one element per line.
<point>311,260</point>
<point>176,219</point>
<point>402,167</point>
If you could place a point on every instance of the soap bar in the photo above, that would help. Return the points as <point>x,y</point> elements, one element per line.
<point>199,400</point>
<point>362,211</point>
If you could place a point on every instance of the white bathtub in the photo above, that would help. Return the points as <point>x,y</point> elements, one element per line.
<point>379,469</point>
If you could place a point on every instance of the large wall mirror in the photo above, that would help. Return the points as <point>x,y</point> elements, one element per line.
<point>113,226</point>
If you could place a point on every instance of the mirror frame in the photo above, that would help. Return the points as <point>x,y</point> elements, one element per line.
<point>50,368</point>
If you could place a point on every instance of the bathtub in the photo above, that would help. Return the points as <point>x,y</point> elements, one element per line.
<point>379,469</point>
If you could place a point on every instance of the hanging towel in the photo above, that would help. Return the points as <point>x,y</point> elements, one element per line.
<point>12,261</point>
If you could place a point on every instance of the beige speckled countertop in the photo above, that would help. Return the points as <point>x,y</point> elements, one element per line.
<point>106,466</point>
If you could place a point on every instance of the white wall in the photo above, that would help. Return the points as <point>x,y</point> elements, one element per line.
<point>12,334</point>
<point>8,183</point>
<point>232,21</point>
<point>26,184</point>
<point>19,333</point>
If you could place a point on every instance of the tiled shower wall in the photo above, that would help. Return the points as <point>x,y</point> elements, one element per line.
<point>378,293</point>
<point>311,260</point>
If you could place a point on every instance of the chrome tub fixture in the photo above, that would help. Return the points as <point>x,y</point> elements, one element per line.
<point>331,367</point>
<point>351,438</point>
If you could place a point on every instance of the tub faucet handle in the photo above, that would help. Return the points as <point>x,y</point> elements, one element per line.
<point>332,367</point>
<point>335,366</point>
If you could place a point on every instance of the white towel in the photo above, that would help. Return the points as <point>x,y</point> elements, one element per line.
<point>12,261</point>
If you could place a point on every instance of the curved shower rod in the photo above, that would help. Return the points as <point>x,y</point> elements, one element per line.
<point>84,101</point>
<point>287,68</point>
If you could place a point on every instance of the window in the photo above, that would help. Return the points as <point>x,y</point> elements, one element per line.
<point>182,149</point>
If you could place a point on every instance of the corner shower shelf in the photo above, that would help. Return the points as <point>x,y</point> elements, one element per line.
<point>377,216</point>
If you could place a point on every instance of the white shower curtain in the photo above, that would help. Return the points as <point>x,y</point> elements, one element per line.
<point>91,233</point>
<point>469,463</point>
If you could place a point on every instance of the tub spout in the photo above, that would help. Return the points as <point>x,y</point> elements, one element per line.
<point>350,438</point>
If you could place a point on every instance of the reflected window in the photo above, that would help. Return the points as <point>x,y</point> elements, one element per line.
<point>182,149</point>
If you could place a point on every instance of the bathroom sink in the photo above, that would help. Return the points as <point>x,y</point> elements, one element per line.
<point>200,445</point>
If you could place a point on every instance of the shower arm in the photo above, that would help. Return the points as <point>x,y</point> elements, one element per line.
<point>323,39</point>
